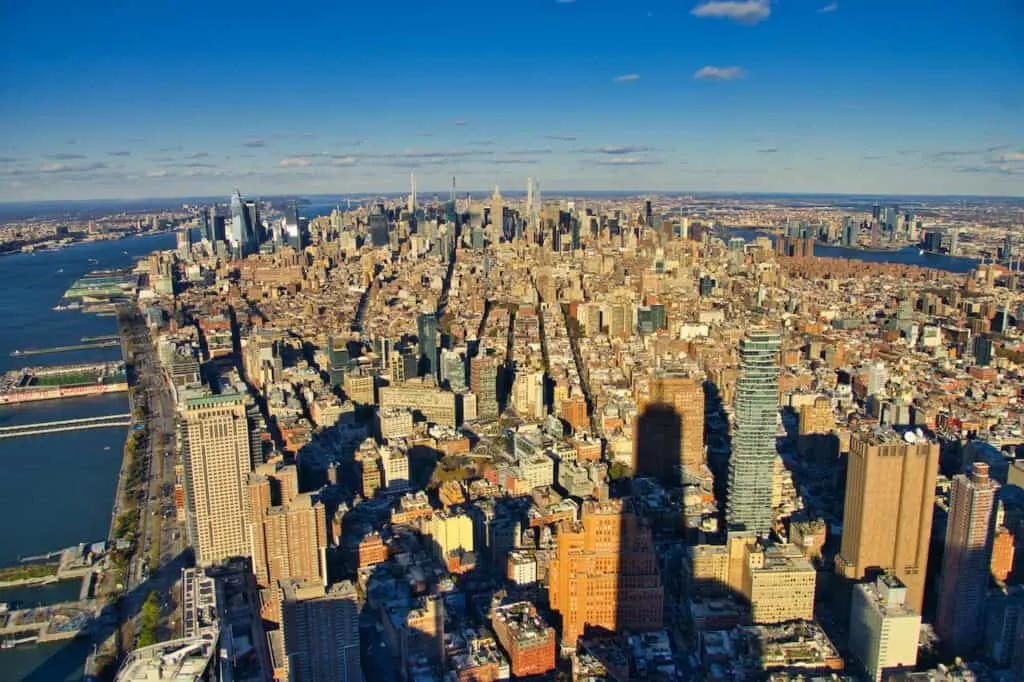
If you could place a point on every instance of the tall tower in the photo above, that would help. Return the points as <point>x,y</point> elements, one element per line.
<point>529,196</point>
<point>498,209</point>
<point>887,517</point>
<point>751,466</point>
<point>239,226</point>
<point>217,464</point>
<point>412,192</point>
<point>965,563</point>
<point>426,330</point>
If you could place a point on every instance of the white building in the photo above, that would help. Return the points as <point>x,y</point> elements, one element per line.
<point>395,469</point>
<point>884,630</point>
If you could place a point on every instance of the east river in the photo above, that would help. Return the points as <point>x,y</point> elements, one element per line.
<point>57,489</point>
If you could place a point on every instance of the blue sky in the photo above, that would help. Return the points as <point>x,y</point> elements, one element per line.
<point>173,98</point>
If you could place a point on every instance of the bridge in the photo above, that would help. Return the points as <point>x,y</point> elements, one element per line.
<point>40,428</point>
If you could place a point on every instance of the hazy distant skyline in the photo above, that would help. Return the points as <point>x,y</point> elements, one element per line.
<point>865,96</point>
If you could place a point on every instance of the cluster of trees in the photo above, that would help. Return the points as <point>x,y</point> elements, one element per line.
<point>149,619</point>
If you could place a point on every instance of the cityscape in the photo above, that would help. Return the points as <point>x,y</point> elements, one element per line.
<point>563,341</point>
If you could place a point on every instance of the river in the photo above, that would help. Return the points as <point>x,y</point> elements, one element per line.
<point>909,255</point>
<point>58,488</point>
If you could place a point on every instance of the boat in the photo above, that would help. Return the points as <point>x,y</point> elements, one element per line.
<point>93,261</point>
<point>60,271</point>
<point>921,252</point>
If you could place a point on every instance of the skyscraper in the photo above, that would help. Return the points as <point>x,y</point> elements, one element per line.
<point>890,499</point>
<point>965,563</point>
<point>498,210</point>
<point>289,528</point>
<point>239,226</point>
<point>217,464</point>
<point>675,412</point>
<point>751,465</point>
<point>849,232</point>
<point>292,228</point>
<point>605,572</point>
<point>321,631</point>
<point>426,331</point>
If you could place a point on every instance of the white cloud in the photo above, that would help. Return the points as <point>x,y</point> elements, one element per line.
<point>1012,157</point>
<point>742,11</point>
<point>343,161</point>
<point>627,161</point>
<point>294,162</point>
<point>830,7</point>
<point>626,78</point>
<point>160,173</point>
<point>719,73</point>
<point>55,168</point>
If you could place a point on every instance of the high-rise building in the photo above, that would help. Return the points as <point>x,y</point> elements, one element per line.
<point>321,631</point>
<point>292,227</point>
<point>890,499</point>
<point>982,351</point>
<point>498,210</point>
<point>884,629</point>
<point>240,227</point>
<point>605,572</point>
<point>483,381</point>
<point>255,225</point>
<point>217,465</point>
<point>426,331</point>
<point>965,561</point>
<point>670,431</point>
<point>289,529</point>
<point>849,232</point>
<point>751,465</point>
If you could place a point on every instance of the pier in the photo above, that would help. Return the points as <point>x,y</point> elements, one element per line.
<point>40,428</point>
<point>64,349</point>
<point>52,623</point>
<point>98,339</point>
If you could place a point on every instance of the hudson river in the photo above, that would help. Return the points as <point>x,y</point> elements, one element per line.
<point>57,489</point>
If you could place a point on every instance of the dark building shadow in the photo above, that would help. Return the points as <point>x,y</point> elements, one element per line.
<point>659,435</point>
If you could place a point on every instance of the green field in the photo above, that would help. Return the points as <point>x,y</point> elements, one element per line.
<point>68,379</point>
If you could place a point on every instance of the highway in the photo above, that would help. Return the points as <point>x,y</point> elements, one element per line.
<point>160,535</point>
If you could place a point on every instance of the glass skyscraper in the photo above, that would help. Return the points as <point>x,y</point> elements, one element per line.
<point>426,328</point>
<point>751,464</point>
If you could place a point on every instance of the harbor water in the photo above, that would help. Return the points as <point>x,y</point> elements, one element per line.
<point>57,488</point>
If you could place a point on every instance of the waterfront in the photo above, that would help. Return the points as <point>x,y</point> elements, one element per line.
<point>909,255</point>
<point>59,487</point>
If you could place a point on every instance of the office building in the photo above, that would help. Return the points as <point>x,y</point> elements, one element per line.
<point>982,351</point>
<point>884,629</point>
<point>526,638</point>
<point>890,499</point>
<point>605,572</point>
<point>424,399</point>
<point>292,228</point>
<point>684,391</point>
<point>751,465</point>
<point>778,584</point>
<point>289,528</point>
<point>241,229</point>
<point>426,332</point>
<point>965,561</point>
<point>483,381</point>
<point>849,232</point>
<point>217,466</point>
<point>321,631</point>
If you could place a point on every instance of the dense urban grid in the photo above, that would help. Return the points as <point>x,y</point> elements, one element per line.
<point>587,439</point>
